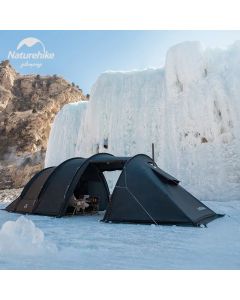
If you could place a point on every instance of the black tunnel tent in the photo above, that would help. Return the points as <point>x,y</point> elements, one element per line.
<point>50,196</point>
<point>143,193</point>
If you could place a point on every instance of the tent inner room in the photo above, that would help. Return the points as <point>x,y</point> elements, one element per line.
<point>91,193</point>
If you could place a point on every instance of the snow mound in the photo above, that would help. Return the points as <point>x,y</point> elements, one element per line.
<point>23,238</point>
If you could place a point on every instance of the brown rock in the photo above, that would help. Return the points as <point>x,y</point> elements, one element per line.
<point>28,105</point>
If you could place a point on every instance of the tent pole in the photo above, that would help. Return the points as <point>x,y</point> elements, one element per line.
<point>153,154</point>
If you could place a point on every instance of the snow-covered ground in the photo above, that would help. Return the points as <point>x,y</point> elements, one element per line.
<point>82,242</point>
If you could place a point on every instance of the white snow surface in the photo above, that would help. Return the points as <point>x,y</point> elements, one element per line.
<point>189,109</point>
<point>82,242</point>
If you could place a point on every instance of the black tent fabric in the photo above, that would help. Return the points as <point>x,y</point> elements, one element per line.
<point>146,194</point>
<point>143,194</point>
<point>50,190</point>
<point>26,201</point>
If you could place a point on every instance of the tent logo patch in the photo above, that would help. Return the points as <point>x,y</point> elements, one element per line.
<point>31,52</point>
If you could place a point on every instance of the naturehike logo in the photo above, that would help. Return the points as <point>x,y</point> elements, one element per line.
<point>29,58</point>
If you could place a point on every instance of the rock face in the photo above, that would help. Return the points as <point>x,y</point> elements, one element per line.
<point>9,195</point>
<point>28,105</point>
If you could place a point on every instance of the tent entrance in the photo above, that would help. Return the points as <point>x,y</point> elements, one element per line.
<point>91,193</point>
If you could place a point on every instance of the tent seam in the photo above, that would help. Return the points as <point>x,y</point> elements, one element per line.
<point>135,198</point>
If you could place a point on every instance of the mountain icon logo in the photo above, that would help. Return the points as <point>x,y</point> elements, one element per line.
<point>35,56</point>
<point>30,42</point>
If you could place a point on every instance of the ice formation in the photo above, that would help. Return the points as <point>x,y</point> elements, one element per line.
<point>22,237</point>
<point>65,140</point>
<point>189,109</point>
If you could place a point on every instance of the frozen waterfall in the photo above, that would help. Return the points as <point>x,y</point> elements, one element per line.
<point>189,109</point>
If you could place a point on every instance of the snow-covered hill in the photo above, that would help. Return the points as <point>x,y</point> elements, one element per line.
<point>189,109</point>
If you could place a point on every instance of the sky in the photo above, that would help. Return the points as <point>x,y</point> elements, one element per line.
<point>81,56</point>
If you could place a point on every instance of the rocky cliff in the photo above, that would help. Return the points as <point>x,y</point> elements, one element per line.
<point>28,105</point>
